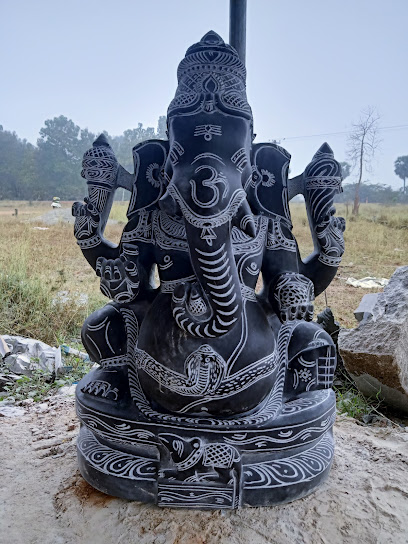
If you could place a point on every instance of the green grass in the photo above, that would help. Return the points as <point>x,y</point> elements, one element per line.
<point>27,305</point>
<point>40,384</point>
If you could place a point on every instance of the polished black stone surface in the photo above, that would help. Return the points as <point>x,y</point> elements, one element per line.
<point>209,394</point>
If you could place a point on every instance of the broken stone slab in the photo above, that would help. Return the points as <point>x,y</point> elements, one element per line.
<point>366,306</point>
<point>376,352</point>
<point>370,282</point>
<point>29,354</point>
<point>21,344</point>
<point>19,363</point>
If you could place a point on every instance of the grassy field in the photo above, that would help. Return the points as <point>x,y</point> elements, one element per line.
<point>35,264</point>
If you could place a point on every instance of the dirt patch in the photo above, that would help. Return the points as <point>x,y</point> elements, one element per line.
<point>82,492</point>
<point>44,500</point>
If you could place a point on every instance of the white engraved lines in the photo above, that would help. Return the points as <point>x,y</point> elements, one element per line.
<point>169,286</point>
<point>143,230</point>
<point>167,263</point>
<point>208,156</point>
<point>325,367</point>
<point>239,158</point>
<point>211,182</point>
<point>114,462</point>
<point>208,131</point>
<point>252,269</point>
<point>176,151</point>
<point>205,374</point>
<point>269,410</point>
<point>277,240</point>
<point>301,467</point>
<point>204,222</point>
<point>216,269</point>
<point>204,371</point>
<point>150,170</point>
<point>284,439</point>
<point>101,388</point>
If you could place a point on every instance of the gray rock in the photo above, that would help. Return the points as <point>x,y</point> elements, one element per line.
<point>376,352</point>
<point>29,354</point>
<point>67,390</point>
<point>19,363</point>
<point>11,411</point>
<point>51,361</point>
<point>26,345</point>
<point>366,306</point>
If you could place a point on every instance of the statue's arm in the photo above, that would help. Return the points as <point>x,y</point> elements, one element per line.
<point>103,175</point>
<point>285,289</point>
<point>88,233</point>
<point>320,182</point>
<point>283,269</point>
<point>125,269</point>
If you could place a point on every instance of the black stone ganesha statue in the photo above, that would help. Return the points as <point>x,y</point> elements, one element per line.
<point>222,393</point>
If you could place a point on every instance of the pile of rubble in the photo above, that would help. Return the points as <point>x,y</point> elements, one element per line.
<point>23,360</point>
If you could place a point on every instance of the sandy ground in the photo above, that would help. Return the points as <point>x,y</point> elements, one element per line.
<point>43,498</point>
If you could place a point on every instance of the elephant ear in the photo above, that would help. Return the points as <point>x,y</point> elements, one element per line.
<point>267,189</point>
<point>149,186</point>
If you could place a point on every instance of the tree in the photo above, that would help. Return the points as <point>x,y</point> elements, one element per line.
<point>53,167</point>
<point>345,169</point>
<point>362,144</point>
<point>161,132</point>
<point>401,169</point>
<point>61,146</point>
<point>18,173</point>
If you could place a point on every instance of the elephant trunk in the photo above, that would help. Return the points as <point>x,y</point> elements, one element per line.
<point>213,307</point>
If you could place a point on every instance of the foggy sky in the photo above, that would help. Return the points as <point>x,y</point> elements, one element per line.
<point>313,65</point>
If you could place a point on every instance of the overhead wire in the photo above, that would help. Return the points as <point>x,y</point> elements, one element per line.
<point>392,127</point>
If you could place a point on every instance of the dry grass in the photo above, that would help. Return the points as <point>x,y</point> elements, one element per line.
<point>43,262</point>
<point>373,248</point>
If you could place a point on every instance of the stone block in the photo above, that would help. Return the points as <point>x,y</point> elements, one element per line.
<point>376,352</point>
<point>366,306</point>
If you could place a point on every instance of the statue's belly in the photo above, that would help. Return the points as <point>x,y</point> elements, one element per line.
<point>221,376</point>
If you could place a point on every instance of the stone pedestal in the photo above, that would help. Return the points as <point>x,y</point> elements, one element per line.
<point>260,459</point>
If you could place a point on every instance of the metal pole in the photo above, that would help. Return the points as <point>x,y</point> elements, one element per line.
<point>237,35</point>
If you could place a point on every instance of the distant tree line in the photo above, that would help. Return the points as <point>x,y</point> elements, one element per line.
<point>53,166</point>
<point>372,192</point>
<point>377,193</point>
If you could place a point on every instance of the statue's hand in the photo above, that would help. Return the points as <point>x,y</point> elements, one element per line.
<point>120,277</point>
<point>297,311</point>
<point>322,180</point>
<point>87,218</point>
<point>292,297</point>
<point>329,232</point>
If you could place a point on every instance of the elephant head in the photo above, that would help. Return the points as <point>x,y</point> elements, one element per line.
<point>210,136</point>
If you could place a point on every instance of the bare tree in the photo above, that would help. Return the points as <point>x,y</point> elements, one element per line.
<point>363,142</point>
